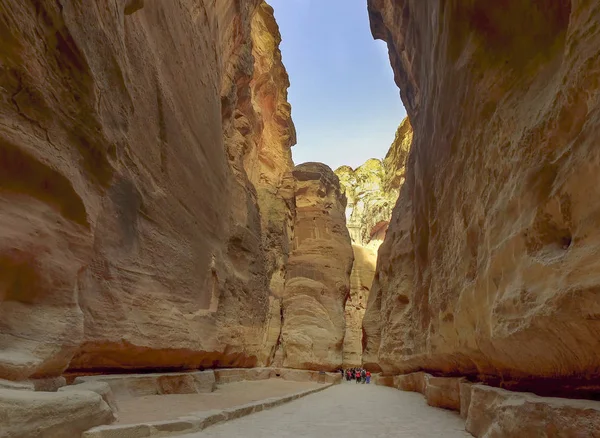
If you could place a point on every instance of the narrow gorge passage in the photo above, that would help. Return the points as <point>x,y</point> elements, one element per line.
<point>158,238</point>
<point>346,411</point>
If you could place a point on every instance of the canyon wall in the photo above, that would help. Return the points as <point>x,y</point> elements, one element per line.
<point>318,273</point>
<point>145,185</point>
<point>371,190</point>
<point>361,278</point>
<point>490,267</point>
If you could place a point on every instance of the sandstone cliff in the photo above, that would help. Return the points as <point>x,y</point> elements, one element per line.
<point>361,278</point>
<point>145,185</point>
<point>372,191</point>
<point>318,273</point>
<point>489,266</point>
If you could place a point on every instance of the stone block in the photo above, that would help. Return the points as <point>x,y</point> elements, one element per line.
<point>443,392</point>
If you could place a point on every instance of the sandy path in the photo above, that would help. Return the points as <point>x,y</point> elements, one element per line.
<point>349,411</point>
<point>166,407</point>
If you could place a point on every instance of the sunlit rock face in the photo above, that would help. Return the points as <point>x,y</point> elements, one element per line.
<point>145,185</point>
<point>371,190</point>
<point>361,278</point>
<point>318,273</point>
<point>489,266</point>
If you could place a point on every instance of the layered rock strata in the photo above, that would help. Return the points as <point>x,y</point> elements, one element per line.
<point>318,273</point>
<point>145,185</point>
<point>488,268</point>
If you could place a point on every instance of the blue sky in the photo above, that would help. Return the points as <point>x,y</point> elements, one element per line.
<point>345,104</point>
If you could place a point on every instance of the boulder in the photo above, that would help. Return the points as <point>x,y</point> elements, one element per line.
<point>413,382</point>
<point>495,412</point>
<point>443,392</point>
<point>28,414</point>
<point>103,389</point>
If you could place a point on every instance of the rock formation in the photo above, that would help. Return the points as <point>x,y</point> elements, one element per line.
<point>145,185</point>
<point>372,191</point>
<point>318,273</point>
<point>489,268</point>
<point>361,278</point>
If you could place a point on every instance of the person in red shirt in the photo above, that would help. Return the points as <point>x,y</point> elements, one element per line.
<point>368,377</point>
<point>357,375</point>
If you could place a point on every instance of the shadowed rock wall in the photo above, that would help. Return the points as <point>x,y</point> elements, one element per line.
<point>145,184</point>
<point>489,267</point>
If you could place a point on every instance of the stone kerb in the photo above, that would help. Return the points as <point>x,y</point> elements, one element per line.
<point>493,411</point>
<point>251,374</point>
<point>136,385</point>
<point>194,422</point>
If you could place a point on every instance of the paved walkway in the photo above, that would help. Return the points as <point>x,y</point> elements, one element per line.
<point>347,410</point>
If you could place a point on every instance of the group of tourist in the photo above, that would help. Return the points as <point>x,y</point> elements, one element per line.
<point>359,374</point>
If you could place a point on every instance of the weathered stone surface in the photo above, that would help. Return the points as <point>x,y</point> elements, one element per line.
<point>413,382</point>
<point>440,392</point>
<point>103,389</point>
<point>240,374</point>
<point>21,386</point>
<point>371,190</point>
<point>28,414</point>
<point>318,273</point>
<point>443,392</point>
<point>361,278</point>
<point>465,397</point>
<point>394,163</point>
<point>488,268</point>
<point>50,384</point>
<point>384,381</point>
<point>146,187</point>
<point>135,385</point>
<point>495,413</point>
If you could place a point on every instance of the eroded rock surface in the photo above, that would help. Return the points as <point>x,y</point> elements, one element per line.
<point>489,266</point>
<point>145,185</point>
<point>372,190</point>
<point>28,414</point>
<point>361,278</point>
<point>495,412</point>
<point>318,273</point>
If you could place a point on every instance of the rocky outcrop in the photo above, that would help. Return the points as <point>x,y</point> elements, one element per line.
<point>394,163</point>
<point>369,207</point>
<point>372,191</point>
<point>495,412</point>
<point>488,267</point>
<point>318,273</point>
<point>145,185</point>
<point>361,278</point>
<point>28,414</point>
